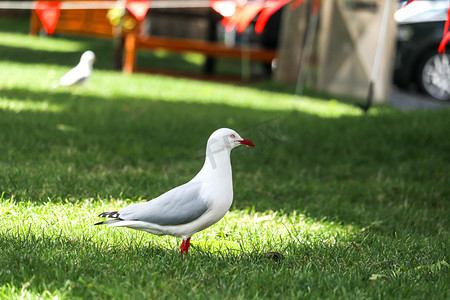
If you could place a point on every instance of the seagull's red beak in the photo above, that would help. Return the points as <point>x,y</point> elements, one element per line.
<point>246,142</point>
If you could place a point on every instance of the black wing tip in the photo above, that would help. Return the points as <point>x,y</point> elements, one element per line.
<point>98,223</point>
<point>111,214</point>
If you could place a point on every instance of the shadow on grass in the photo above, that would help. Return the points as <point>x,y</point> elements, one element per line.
<point>62,58</point>
<point>14,24</point>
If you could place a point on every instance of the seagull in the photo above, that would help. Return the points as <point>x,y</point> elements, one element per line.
<point>193,206</point>
<point>81,73</point>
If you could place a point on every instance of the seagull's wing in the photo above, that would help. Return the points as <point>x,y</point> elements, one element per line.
<point>178,206</point>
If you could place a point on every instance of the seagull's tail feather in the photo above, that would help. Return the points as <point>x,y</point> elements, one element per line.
<point>108,222</point>
<point>112,214</point>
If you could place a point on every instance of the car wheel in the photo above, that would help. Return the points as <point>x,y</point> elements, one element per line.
<point>434,76</point>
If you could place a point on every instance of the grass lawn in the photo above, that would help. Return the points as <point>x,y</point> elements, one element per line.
<point>331,203</point>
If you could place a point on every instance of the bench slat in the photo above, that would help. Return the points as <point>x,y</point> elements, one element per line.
<point>204,47</point>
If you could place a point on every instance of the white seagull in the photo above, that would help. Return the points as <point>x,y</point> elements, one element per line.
<point>193,206</point>
<point>81,73</point>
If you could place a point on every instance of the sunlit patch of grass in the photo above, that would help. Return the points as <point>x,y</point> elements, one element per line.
<point>16,40</point>
<point>241,232</point>
<point>250,231</point>
<point>193,91</point>
<point>155,87</point>
<point>326,108</point>
<point>244,230</point>
<point>44,77</point>
<point>190,57</point>
<point>26,105</point>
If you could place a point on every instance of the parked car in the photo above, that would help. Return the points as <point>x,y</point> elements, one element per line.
<point>420,31</point>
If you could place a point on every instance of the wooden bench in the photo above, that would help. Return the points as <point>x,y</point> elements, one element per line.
<point>94,22</point>
<point>135,42</point>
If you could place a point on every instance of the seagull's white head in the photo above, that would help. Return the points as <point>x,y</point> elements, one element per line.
<point>88,57</point>
<point>225,138</point>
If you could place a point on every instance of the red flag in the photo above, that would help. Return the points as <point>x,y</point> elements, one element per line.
<point>48,12</point>
<point>224,7</point>
<point>243,16</point>
<point>270,7</point>
<point>138,8</point>
<point>444,42</point>
<point>248,13</point>
<point>230,22</point>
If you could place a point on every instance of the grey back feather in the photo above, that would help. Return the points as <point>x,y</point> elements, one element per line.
<point>178,206</point>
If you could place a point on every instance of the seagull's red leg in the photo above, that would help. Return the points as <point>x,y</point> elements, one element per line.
<point>185,246</point>
<point>188,243</point>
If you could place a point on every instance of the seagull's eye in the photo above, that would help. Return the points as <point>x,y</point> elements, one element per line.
<point>232,136</point>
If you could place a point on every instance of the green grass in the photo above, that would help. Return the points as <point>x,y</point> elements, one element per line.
<point>356,205</point>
